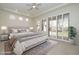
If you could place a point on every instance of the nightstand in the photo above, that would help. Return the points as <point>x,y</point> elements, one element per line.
<point>4,37</point>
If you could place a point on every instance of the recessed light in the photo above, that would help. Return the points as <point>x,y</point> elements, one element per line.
<point>27,19</point>
<point>20,18</point>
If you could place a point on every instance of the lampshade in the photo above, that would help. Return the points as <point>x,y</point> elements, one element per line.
<point>3,28</point>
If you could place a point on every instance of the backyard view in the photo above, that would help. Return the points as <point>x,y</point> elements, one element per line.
<point>59,28</point>
<point>53,28</point>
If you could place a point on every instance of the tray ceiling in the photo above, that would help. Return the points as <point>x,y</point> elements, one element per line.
<point>22,8</point>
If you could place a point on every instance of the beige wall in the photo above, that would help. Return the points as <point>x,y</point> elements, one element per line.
<point>6,21</point>
<point>73,9</point>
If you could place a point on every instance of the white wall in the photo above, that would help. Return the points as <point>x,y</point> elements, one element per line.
<point>73,9</point>
<point>6,21</point>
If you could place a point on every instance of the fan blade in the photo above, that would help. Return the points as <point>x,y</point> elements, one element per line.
<point>39,4</point>
<point>30,9</point>
<point>33,4</point>
<point>37,8</point>
<point>28,5</point>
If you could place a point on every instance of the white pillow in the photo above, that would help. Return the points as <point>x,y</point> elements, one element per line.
<point>14,31</point>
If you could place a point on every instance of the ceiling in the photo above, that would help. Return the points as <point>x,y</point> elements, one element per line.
<point>22,8</point>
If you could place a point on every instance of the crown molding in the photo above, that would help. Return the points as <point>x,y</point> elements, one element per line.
<point>14,12</point>
<point>36,15</point>
<point>51,9</point>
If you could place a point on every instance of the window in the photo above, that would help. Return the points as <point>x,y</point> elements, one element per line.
<point>44,25</point>
<point>38,26</point>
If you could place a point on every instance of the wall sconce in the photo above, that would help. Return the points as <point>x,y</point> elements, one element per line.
<point>4,29</point>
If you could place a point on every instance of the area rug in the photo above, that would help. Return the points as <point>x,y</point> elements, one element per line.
<point>41,49</point>
<point>4,49</point>
<point>1,48</point>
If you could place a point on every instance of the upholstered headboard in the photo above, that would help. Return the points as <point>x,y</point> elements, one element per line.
<point>18,29</point>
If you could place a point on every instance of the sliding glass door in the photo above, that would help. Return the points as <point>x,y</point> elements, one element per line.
<point>58,26</point>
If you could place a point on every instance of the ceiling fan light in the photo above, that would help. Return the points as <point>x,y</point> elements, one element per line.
<point>34,6</point>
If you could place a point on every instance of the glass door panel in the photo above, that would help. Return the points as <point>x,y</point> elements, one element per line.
<point>53,27</point>
<point>59,26</point>
<point>65,26</point>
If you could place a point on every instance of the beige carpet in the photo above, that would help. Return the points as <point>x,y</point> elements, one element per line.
<point>41,49</point>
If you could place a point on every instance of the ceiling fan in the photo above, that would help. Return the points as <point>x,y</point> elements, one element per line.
<point>33,6</point>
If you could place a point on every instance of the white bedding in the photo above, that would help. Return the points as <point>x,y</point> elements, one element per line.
<point>26,35</point>
<point>23,46</point>
<point>22,34</point>
<point>27,40</point>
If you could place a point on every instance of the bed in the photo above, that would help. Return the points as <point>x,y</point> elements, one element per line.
<point>22,41</point>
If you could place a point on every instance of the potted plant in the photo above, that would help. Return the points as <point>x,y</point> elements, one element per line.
<point>72,33</point>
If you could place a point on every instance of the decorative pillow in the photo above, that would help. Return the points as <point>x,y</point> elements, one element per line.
<point>22,30</point>
<point>14,31</point>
